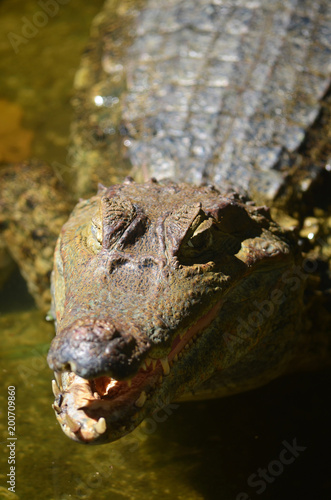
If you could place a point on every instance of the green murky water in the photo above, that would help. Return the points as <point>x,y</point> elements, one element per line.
<point>203,450</point>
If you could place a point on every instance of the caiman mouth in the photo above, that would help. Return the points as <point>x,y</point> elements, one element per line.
<point>104,409</point>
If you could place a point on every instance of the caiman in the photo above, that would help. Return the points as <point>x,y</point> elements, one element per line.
<point>173,284</point>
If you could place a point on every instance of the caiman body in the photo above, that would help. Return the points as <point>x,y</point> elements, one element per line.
<point>184,288</point>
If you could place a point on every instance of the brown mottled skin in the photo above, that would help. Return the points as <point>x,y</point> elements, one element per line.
<point>165,291</point>
<point>147,264</point>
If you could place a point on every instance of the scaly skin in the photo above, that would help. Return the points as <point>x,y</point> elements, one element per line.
<point>155,290</point>
<point>191,92</point>
<point>33,207</point>
<point>183,300</point>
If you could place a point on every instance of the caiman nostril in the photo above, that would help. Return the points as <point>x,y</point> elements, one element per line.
<point>69,367</point>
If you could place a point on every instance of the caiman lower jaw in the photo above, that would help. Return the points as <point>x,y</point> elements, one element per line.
<point>103,409</point>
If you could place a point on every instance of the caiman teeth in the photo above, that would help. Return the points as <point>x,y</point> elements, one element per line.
<point>73,426</point>
<point>141,400</point>
<point>56,408</point>
<point>144,366</point>
<point>154,361</point>
<point>55,389</point>
<point>100,426</point>
<point>165,366</point>
<point>58,380</point>
<point>148,362</point>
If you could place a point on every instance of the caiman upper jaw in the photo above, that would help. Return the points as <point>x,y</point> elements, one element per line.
<point>93,348</point>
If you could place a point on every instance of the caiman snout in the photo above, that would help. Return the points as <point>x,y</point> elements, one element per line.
<point>92,348</point>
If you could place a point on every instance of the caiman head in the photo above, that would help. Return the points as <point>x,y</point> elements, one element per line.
<point>152,288</point>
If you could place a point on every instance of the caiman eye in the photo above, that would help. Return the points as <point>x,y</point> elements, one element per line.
<point>194,236</point>
<point>93,235</point>
<point>96,229</point>
<point>202,236</point>
<point>199,238</point>
<point>116,225</point>
<point>205,239</point>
